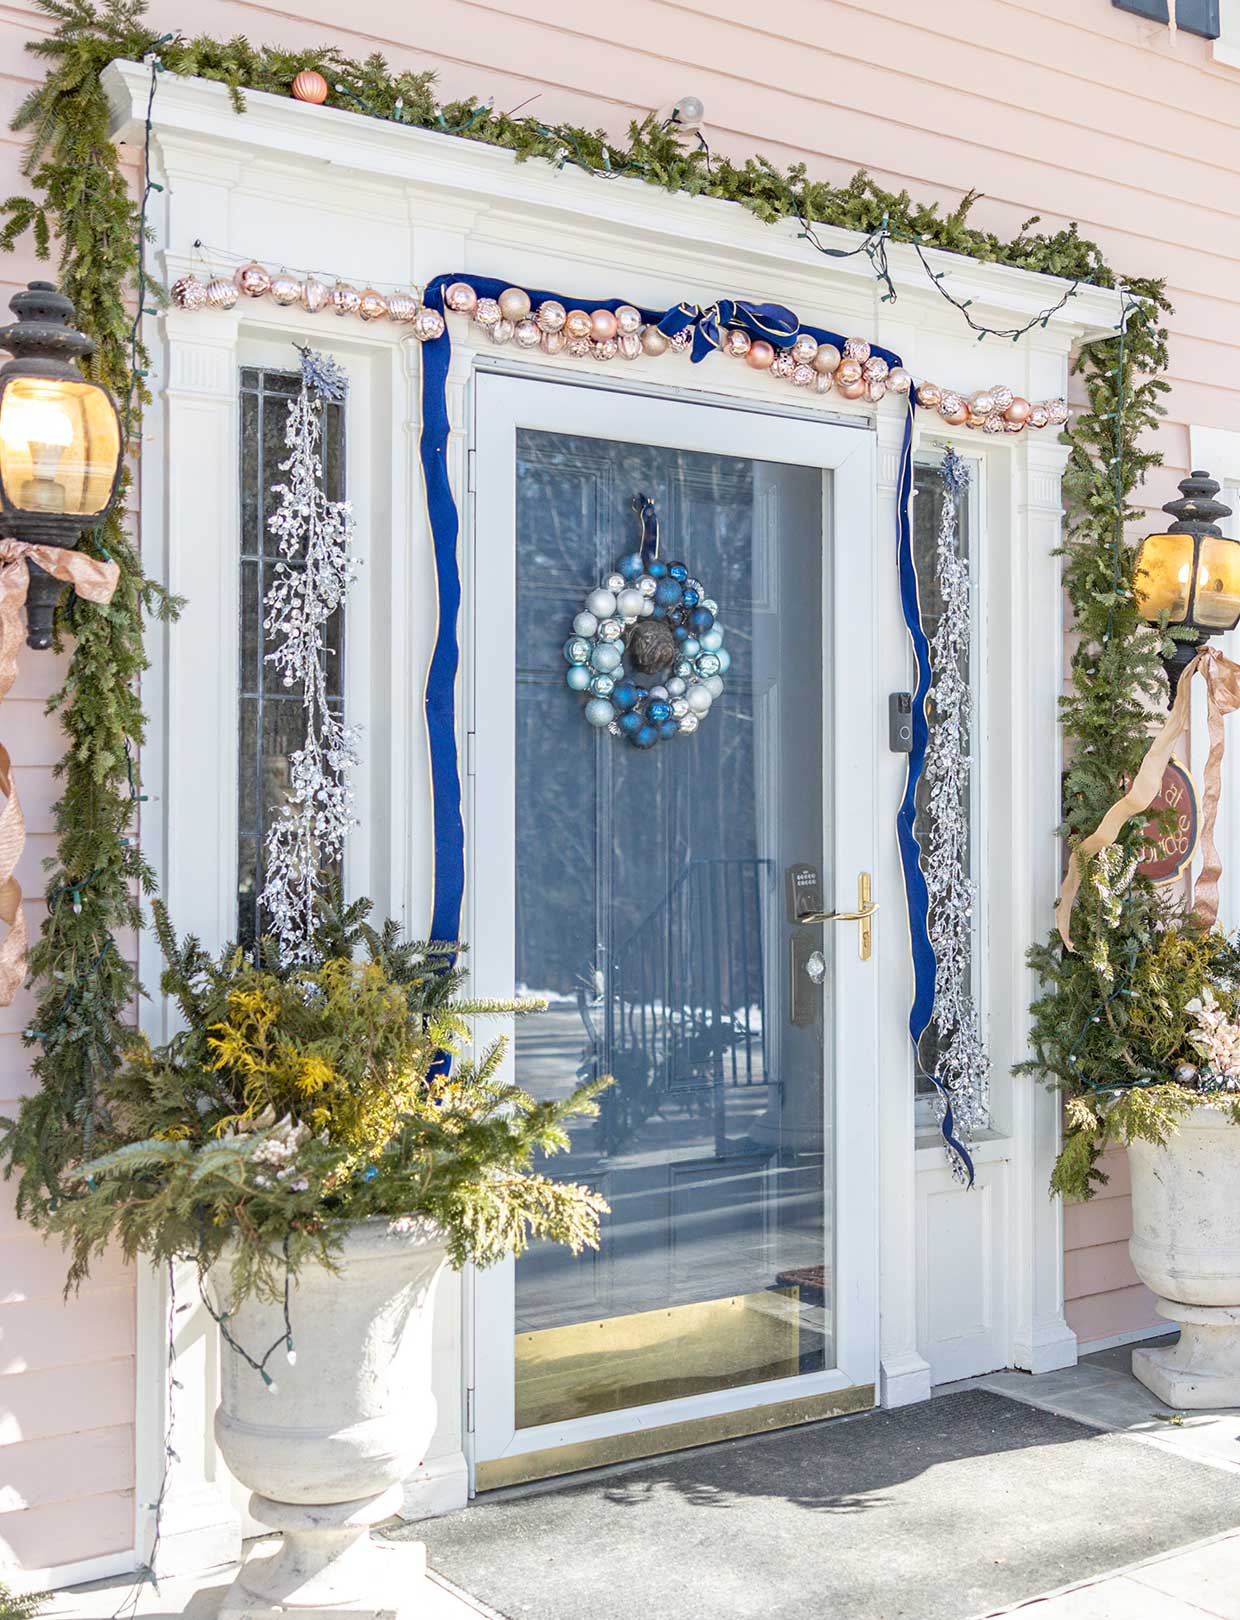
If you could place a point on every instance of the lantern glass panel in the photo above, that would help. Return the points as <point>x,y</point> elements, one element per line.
<point>60,445</point>
<point>1164,575</point>
<point>1217,603</point>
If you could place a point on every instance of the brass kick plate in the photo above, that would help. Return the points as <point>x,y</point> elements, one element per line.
<point>602,1366</point>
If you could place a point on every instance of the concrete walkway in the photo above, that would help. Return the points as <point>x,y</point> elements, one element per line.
<point>1200,1581</point>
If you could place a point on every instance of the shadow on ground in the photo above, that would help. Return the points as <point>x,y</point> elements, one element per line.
<point>939,1511</point>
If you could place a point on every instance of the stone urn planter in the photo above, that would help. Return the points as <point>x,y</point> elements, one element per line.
<point>1186,1247</point>
<point>326,1451</point>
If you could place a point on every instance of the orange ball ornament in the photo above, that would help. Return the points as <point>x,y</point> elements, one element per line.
<point>310,86</point>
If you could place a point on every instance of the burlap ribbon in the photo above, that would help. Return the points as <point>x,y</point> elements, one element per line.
<point>1222,678</point>
<point>96,581</point>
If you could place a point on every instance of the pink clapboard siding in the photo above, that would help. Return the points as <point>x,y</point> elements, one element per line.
<point>1102,1295</point>
<point>1068,109</point>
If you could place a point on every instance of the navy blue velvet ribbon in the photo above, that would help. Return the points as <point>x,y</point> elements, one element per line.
<point>777,325</point>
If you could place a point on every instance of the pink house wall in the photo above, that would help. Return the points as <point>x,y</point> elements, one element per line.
<point>1065,108</point>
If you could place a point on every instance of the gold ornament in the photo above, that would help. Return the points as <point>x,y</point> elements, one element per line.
<point>402,307</point>
<point>856,349</point>
<point>578,347</point>
<point>1057,411</point>
<point>578,323</point>
<point>372,305</point>
<point>630,344</point>
<point>526,333</point>
<point>783,364</point>
<point>608,349</point>
<point>875,369</point>
<point>252,280</point>
<point>221,292</point>
<point>189,293</point>
<point>654,341</point>
<point>827,359</point>
<point>628,320</point>
<point>346,300</point>
<point>501,331</point>
<point>514,304</point>
<point>803,374</point>
<point>284,289</point>
<point>461,298</point>
<point>310,86</point>
<point>428,324</point>
<point>551,316</point>
<point>736,342</point>
<point>929,394</point>
<point>848,371</point>
<point>487,312</point>
<point>553,342</point>
<point>314,295</point>
<point>804,348</point>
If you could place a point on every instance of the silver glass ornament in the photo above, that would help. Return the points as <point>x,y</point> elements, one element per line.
<point>614,582</point>
<point>611,629</point>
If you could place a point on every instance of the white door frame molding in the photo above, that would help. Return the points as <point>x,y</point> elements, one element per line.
<point>400,205</point>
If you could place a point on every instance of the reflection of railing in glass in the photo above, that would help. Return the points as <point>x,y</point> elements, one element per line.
<point>684,1003</point>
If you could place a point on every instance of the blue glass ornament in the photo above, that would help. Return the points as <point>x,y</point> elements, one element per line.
<point>625,694</point>
<point>678,572</point>
<point>578,678</point>
<point>657,570</point>
<point>680,632</point>
<point>658,612</point>
<point>645,738</point>
<point>666,593</point>
<point>701,619</point>
<point>658,711</point>
<point>631,722</point>
<point>690,597</point>
<point>631,566</point>
<point>668,728</point>
<point>602,686</point>
<point>577,650</point>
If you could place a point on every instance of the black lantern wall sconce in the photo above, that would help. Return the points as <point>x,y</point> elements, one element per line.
<point>1191,573</point>
<point>61,444</point>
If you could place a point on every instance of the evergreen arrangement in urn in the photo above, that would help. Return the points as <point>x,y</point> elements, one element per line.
<point>297,1099</point>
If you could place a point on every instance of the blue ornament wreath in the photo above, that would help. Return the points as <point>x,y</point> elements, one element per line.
<point>646,650</point>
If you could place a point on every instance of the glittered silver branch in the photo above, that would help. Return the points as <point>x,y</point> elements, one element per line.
<point>963,1067</point>
<point>315,538</point>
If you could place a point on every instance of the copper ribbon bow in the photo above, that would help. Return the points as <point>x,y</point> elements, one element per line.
<point>96,581</point>
<point>1222,678</point>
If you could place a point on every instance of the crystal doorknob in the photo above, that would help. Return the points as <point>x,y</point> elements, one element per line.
<point>816,966</point>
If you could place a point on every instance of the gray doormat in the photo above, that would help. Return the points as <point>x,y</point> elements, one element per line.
<point>939,1511</point>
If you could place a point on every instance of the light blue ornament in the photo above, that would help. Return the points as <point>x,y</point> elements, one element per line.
<point>599,712</point>
<point>711,639</point>
<point>602,603</point>
<point>578,678</point>
<point>606,657</point>
<point>691,646</point>
<point>725,660</point>
<point>577,650</point>
<point>585,624</point>
<point>709,603</point>
<point>714,685</point>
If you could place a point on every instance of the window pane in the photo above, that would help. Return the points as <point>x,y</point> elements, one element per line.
<point>272,720</point>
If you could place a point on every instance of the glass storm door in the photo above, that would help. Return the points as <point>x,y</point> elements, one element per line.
<point>655,897</point>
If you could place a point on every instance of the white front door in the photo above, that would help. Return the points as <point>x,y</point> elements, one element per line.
<point>653,896</point>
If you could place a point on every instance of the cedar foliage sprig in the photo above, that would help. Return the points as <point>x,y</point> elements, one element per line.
<point>81,210</point>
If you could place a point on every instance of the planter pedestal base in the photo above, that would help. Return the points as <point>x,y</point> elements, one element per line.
<point>1202,1371</point>
<point>327,1567</point>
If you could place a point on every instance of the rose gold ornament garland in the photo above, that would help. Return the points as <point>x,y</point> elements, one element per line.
<point>852,372</point>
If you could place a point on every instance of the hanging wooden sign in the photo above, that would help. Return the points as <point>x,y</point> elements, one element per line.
<point>1168,851</point>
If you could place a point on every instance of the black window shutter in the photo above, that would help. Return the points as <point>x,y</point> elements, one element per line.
<point>1194,16</point>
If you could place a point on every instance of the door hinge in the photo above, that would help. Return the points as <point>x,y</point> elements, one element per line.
<point>471,476</point>
<point>469,1411</point>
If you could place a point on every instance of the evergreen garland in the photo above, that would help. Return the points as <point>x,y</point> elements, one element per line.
<point>81,210</point>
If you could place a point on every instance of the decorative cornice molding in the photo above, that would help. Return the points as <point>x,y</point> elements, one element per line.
<point>448,171</point>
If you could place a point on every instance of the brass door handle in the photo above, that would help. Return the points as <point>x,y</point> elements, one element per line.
<point>865,910</point>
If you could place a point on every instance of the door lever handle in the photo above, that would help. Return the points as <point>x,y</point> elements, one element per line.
<point>811,917</point>
<point>866,907</point>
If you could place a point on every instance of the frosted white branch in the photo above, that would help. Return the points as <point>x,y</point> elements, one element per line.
<point>315,537</point>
